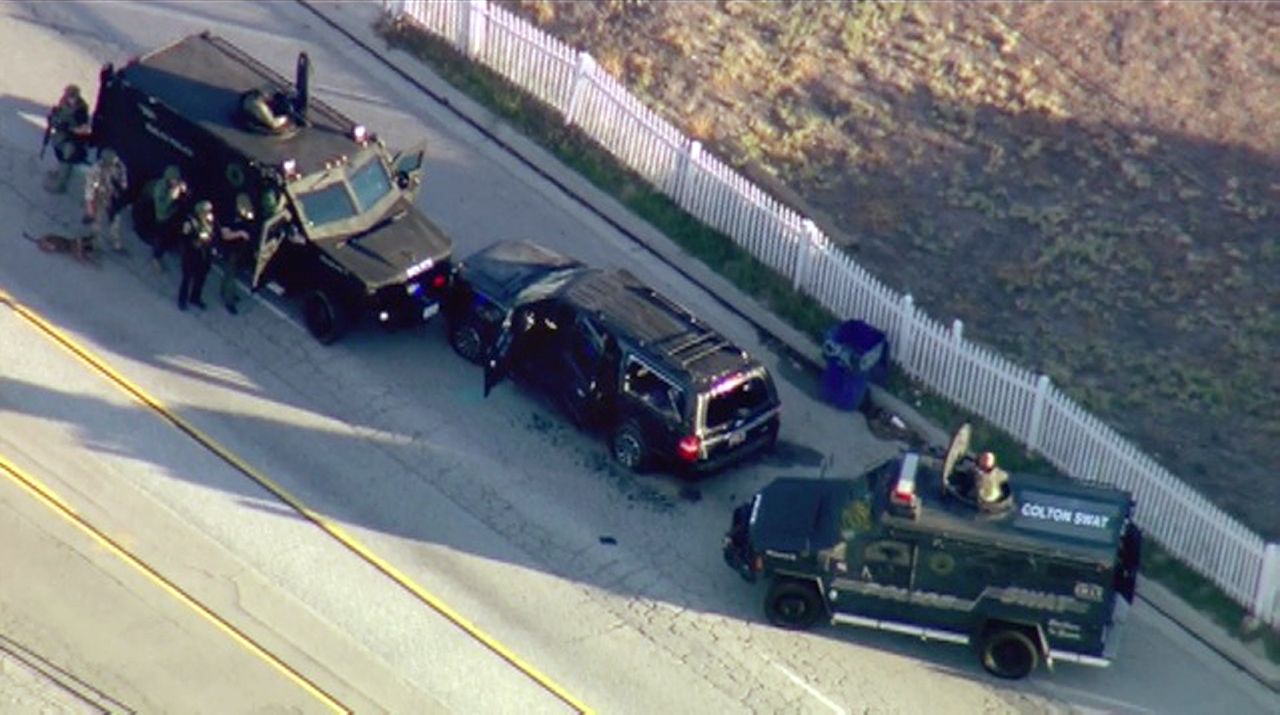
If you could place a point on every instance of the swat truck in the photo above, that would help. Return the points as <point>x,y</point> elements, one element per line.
<point>1044,572</point>
<point>336,219</point>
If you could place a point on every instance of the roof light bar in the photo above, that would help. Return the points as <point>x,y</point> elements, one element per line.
<point>904,491</point>
<point>728,384</point>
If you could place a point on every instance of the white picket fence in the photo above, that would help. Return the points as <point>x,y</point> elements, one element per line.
<point>1009,396</point>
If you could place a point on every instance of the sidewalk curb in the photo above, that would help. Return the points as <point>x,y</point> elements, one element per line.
<point>797,344</point>
<point>1209,633</point>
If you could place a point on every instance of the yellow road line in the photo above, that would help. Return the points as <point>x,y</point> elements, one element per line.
<point>333,530</point>
<point>44,494</point>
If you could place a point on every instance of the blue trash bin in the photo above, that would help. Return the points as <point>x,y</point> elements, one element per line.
<point>857,355</point>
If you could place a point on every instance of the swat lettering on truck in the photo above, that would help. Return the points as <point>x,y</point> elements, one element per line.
<point>336,219</point>
<point>1046,574</point>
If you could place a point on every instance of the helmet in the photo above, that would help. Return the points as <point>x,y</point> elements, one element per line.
<point>986,461</point>
<point>108,155</point>
<point>171,174</point>
<point>204,208</point>
<point>272,201</point>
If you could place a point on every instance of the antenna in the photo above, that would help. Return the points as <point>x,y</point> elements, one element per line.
<point>302,87</point>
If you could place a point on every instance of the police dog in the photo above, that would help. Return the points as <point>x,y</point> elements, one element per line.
<point>80,248</point>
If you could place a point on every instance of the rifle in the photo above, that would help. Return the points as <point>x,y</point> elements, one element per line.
<point>48,132</point>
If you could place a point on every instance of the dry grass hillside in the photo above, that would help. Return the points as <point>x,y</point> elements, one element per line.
<point>1093,189</point>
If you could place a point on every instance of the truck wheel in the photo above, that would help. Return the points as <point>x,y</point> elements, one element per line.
<point>325,316</point>
<point>467,342</point>
<point>793,604</point>
<point>629,448</point>
<point>1009,653</point>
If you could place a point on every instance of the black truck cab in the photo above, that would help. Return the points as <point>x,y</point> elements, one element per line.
<point>1048,576</point>
<point>336,221</point>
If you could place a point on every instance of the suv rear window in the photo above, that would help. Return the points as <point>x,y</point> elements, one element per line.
<point>737,401</point>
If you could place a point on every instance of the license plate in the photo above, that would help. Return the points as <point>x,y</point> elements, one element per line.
<point>430,310</point>
<point>737,438</point>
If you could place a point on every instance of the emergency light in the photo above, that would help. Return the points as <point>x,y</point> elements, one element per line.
<point>904,496</point>
<point>728,384</point>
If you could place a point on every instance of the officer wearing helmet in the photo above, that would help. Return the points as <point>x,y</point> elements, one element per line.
<point>69,130</point>
<point>230,245</point>
<point>104,191</point>
<point>989,480</point>
<point>198,234</point>
<point>168,194</point>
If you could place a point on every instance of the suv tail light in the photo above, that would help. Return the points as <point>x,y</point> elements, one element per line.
<point>438,281</point>
<point>688,448</point>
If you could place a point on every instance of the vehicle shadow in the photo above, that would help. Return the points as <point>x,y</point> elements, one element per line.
<point>22,120</point>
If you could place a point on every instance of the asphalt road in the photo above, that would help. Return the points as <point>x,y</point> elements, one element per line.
<point>609,584</point>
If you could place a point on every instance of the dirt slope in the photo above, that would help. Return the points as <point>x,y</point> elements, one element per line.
<point>1092,189</point>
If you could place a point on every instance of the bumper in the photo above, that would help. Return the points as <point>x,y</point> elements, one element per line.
<point>397,307</point>
<point>720,455</point>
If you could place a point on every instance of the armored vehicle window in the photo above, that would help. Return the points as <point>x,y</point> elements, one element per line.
<point>652,389</point>
<point>370,183</point>
<point>738,398</point>
<point>325,205</point>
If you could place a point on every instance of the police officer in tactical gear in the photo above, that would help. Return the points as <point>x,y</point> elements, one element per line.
<point>989,481</point>
<point>257,107</point>
<point>69,131</point>
<point>104,190</point>
<point>232,239</point>
<point>167,195</point>
<point>198,234</point>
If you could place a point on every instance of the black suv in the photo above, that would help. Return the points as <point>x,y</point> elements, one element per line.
<point>613,354</point>
<point>347,236</point>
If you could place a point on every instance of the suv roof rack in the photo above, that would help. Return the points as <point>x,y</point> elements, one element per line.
<point>694,347</point>
<point>655,322</point>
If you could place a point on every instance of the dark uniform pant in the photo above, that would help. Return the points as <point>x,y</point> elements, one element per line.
<point>195,267</point>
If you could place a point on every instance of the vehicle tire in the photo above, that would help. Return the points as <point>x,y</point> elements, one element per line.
<point>1009,653</point>
<point>467,342</point>
<point>628,447</point>
<point>325,316</point>
<point>793,604</point>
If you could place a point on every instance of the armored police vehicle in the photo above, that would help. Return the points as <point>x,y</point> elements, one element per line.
<point>336,219</point>
<point>616,355</point>
<point>1044,573</point>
